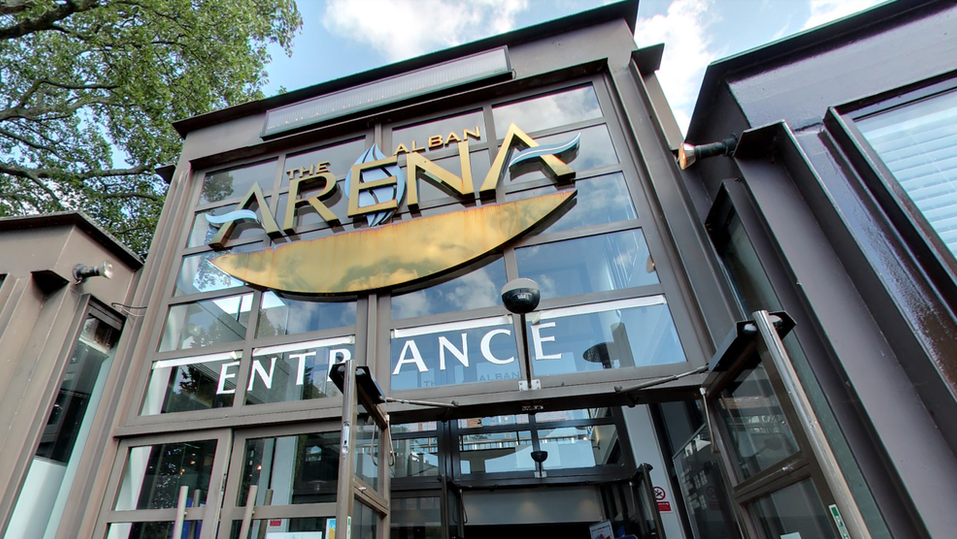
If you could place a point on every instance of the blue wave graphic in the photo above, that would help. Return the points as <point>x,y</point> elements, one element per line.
<point>541,151</point>
<point>370,197</point>
<point>236,215</point>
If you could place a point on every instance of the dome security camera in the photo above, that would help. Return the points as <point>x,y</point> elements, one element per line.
<point>521,296</point>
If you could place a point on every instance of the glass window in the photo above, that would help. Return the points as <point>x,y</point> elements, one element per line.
<point>197,273</point>
<point>599,201</point>
<point>192,383</point>
<point>494,421</point>
<point>425,426</point>
<point>339,157</point>
<point>573,415</point>
<point>202,232</point>
<point>364,522</point>
<point>416,457</point>
<point>496,452</point>
<point>154,474</point>
<point>281,315</point>
<point>918,143</point>
<point>226,184</point>
<point>758,428</point>
<point>428,191</point>
<point>367,453</point>
<point>298,469</point>
<point>455,353</point>
<point>416,518</point>
<point>580,447</point>
<point>43,496</point>
<point>794,511</point>
<point>594,150</point>
<point>702,490</point>
<point>544,112</point>
<point>474,290</point>
<point>146,530</point>
<point>278,528</point>
<point>585,265</point>
<point>426,135</point>
<point>628,333</point>
<point>297,371</point>
<point>306,216</point>
<point>204,323</point>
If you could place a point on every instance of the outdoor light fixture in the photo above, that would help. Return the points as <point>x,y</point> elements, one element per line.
<point>539,458</point>
<point>82,272</point>
<point>521,296</point>
<point>688,154</point>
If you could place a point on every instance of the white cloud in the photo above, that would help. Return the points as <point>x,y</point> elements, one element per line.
<point>683,30</point>
<point>825,11</point>
<point>402,29</point>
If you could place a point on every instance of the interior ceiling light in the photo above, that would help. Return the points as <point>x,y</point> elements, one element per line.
<point>688,154</point>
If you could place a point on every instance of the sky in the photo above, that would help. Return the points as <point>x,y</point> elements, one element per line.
<point>342,37</point>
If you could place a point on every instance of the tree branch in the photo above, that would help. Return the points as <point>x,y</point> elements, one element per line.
<point>46,20</point>
<point>12,7</point>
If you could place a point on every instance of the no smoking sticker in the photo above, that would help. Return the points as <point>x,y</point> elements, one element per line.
<point>664,506</point>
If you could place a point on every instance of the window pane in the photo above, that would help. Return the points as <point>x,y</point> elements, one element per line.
<point>580,447</point>
<point>192,383</point>
<point>585,265</point>
<point>548,111</point>
<point>205,323</point>
<point>494,421</point>
<point>418,135</point>
<point>496,452</point>
<point>280,315</point>
<point>298,469</point>
<point>364,522</point>
<point>367,453</point>
<point>146,530</point>
<point>621,334</point>
<point>594,150</point>
<point>573,415</point>
<point>794,511</point>
<point>429,191</point>
<point>416,518</point>
<point>297,371</point>
<point>306,217</point>
<point>599,201</point>
<point>416,457</point>
<point>425,426</point>
<point>451,354</point>
<point>202,232</point>
<point>340,158</point>
<point>226,184</point>
<point>46,487</point>
<point>197,273</point>
<point>759,430</point>
<point>703,490</point>
<point>474,290</point>
<point>274,528</point>
<point>918,143</point>
<point>155,473</point>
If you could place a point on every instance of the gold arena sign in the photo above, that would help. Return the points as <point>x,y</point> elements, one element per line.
<point>398,253</point>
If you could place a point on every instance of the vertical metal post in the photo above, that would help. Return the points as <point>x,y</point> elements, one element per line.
<point>248,513</point>
<point>344,489</point>
<point>180,511</point>
<point>528,351</point>
<point>771,344</point>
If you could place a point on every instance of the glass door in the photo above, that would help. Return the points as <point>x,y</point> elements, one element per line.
<point>166,486</point>
<point>282,480</point>
<point>777,486</point>
<point>631,507</point>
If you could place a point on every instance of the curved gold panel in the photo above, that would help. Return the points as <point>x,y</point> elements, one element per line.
<point>389,255</point>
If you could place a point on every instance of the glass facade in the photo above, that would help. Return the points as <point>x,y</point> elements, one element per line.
<point>256,360</point>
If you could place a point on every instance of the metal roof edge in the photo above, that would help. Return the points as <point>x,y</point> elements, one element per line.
<point>626,9</point>
<point>790,48</point>
<point>80,220</point>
